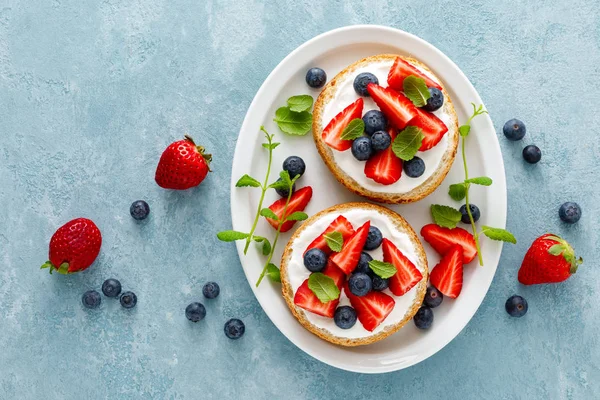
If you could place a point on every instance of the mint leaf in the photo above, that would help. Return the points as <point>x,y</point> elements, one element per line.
<point>445,216</point>
<point>285,178</point>
<point>297,216</point>
<point>300,103</point>
<point>273,273</point>
<point>353,130</point>
<point>500,234</point>
<point>231,236</point>
<point>335,241</point>
<point>266,245</point>
<point>279,184</point>
<point>270,146</point>
<point>382,269</point>
<point>458,191</point>
<point>293,123</point>
<point>407,143</point>
<point>267,213</point>
<point>480,180</point>
<point>323,287</point>
<point>247,181</point>
<point>416,90</point>
<point>464,130</point>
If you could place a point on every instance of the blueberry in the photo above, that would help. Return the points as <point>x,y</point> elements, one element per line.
<point>362,80</point>
<point>360,284</point>
<point>285,192</point>
<point>514,130</point>
<point>139,210</point>
<point>374,238</point>
<point>91,299</point>
<point>532,154</point>
<point>211,290</point>
<point>234,329</point>
<point>516,306</point>
<point>316,78</point>
<point>379,283</point>
<point>380,140</point>
<point>363,263</point>
<point>569,212</point>
<point>474,212</point>
<point>128,300</point>
<point>435,101</point>
<point>374,121</point>
<point>345,317</point>
<point>315,260</point>
<point>423,318</point>
<point>414,167</point>
<point>362,149</point>
<point>111,288</point>
<point>195,312</point>
<point>433,297</point>
<point>294,165</point>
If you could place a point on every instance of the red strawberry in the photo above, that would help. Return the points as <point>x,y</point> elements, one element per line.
<point>182,165</point>
<point>433,128</point>
<point>550,259</point>
<point>447,276</point>
<point>74,246</point>
<point>341,225</point>
<point>442,240</point>
<point>298,202</point>
<point>401,69</point>
<point>305,298</point>
<point>398,109</point>
<point>333,131</point>
<point>347,259</point>
<point>372,308</point>
<point>407,276</point>
<point>384,167</point>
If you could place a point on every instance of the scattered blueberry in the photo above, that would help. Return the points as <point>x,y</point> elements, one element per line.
<point>139,210</point>
<point>435,101</point>
<point>363,263</point>
<point>234,329</point>
<point>569,212</point>
<point>374,238</point>
<point>514,129</point>
<point>380,140</point>
<point>474,212</point>
<point>195,312</point>
<point>360,284</point>
<point>128,300</point>
<point>414,167</point>
<point>374,121</point>
<point>433,297</point>
<point>423,318</point>
<point>91,299</point>
<point>111,288</point>
<point>345,317</point>
<point>532,154</point>
<point>316,78</point>
<point>294,165</point>
<point>315,260</point>
<point>362,148</point>
<point>284,191</point>
<point>211,290</point>
<point>362,80</point>
<point>379,283</point>
<point>516,306</point>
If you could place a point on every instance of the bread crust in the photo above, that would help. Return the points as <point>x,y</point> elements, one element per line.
<point>326,152</point>
<point>300,314</point>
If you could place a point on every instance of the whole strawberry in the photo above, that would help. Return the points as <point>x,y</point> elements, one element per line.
<point>550,259</point>
<point>182,165</point>
<point>74,246</point>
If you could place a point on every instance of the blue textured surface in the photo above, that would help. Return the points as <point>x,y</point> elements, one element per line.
<point>92,92</point>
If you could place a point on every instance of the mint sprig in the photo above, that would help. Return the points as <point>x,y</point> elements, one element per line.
<point>416,90</point>
<point>295,118</point>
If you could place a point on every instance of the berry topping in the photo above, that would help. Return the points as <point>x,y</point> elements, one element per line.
<point>345,317</point>
<point>139,210</point>
<point>514,130</point>
<point>315,260</point>
<point>234,329</point>
<point>360,284</point>
<point>348,258</point>
<point>306,299</point>
<point>91,299</point>
<point>128,300</point>
<point>182,165</point>
<point>111,288</point>
<point>443,239</point>
<point>384,167</point>
<point>294,165</point>
<point>316,78</point>
<point>402,69</point>
<point>532,154</point>
<point>379,283</point>
<point>474,212</point>
<point>341,225</point>
<point>363,263</point>
<point>550,259</point>
<point>414,167</point>
<point>569,212</point>
<point>374,238</point>
<point>195,312</point>
<point>516,306</point>
<point>284,191</point>
<point>211,290</point>
<point>423,319</point>
<point>380,140</point>
<point>407,275</point>
<point>371,309</point>
<point>362,80</point>
<point>362,148</point>
<point>374,121</point>
<point>433,297</point>
<point>298,202</point>
<point>397,108</point>
<point>433,128</point>
<point>333,131</point>
<point>435,101</point>
<point>447,276</point>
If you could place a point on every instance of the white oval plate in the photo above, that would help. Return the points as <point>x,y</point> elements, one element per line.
<point>333,51</point>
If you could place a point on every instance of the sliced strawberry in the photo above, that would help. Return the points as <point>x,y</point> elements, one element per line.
<point>407,276</point>
<point>447,276</point>
<point>442,240</point>
<point>347,259</point>
<point>305,298</point>
<point>338,276</point>
<point>395,106</point>
<point>371,309</point>
<point>401,69</point>
<point>333,131</point>
<point>341,225</point>
<point>298,202</point>
<point>384,167</point>
<point>433,128</point>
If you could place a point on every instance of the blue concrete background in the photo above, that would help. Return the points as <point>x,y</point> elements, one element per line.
<point>92,92</point>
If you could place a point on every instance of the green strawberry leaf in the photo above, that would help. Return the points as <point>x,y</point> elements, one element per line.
<point>231,236</point>
<point>407,143</point>
<point>293,123</point>
<point>267,213</point>
<point>480,180</point>
<point>498,234</point>
<point>323,287</point>
<point>273,273</point>
<point>445,216</point>
<point>353,130</point>
<point>382,269</point>
<point>335,241</point>
<point>556,250</point>
<point>247,181</point>
<point>416,90</point>
<point>457,191</point>
<point>300,103</point>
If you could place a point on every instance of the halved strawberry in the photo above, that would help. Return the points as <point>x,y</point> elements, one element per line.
<point>442,240</point>
<point>305,298</point>
<point>298,202</point>
<point>371,309</point>
<point>384,167</point>
<point>332,132</point>
<point>407,275</point>
<point>338,276</point>
<point>395,106</point>
<point>401,69</point>
<point>341,225</point>
<point>447,276</point>
<point>433,128</point>
<point>347,259</point>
